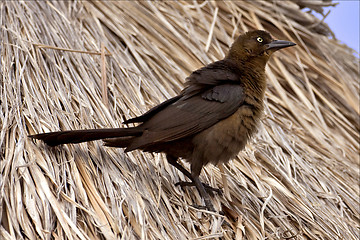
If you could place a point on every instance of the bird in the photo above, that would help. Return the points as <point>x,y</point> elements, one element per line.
<point>209,121</point>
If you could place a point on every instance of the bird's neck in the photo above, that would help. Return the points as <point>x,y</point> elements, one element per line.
<point>254,83</point>
<point>253,70</point>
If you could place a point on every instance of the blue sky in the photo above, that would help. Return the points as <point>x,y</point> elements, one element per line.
<point>344,22</point>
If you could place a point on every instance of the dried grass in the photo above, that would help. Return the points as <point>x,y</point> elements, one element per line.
<point>298,178</point>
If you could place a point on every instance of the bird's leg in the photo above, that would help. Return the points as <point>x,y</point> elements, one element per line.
<point>203,194</point>
<point>173,161</point>
<point>194,176</point>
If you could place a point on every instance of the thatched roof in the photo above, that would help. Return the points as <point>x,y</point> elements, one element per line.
<point>297,179</point>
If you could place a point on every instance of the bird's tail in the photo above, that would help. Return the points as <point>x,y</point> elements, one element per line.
<point>120,142</point>
<point>78,136</point>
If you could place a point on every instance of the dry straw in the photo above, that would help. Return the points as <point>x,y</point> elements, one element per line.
<point>298,178</point>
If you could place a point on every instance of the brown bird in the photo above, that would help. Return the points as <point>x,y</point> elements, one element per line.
<point>210,121</point>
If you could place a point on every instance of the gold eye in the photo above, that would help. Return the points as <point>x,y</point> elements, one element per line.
<point>259,39</point>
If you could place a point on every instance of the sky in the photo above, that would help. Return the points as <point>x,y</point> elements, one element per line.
<point>344,20</point>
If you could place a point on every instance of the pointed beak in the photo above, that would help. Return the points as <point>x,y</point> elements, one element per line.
<point>279,44</point>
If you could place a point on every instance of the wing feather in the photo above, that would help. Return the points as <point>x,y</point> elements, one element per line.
<point>188,116</point>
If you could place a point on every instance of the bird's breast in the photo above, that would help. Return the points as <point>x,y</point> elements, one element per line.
<point>224,140</point>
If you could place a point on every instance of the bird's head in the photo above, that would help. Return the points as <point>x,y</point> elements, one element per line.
<point>256,45</point>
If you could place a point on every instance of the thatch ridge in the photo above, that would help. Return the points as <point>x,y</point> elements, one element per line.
<point>297,179</point>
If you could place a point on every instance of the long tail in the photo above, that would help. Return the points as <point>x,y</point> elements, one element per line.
<point>78,136</point>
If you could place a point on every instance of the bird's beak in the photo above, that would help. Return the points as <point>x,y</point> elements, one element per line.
<point>278,44</point>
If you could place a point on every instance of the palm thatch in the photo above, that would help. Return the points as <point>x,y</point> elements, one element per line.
<point>77,65</point>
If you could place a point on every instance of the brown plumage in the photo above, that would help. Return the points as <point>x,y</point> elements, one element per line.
<point>210,121</point>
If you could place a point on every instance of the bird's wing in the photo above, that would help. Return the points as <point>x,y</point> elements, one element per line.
<point>190,115</point>
<point>219,72</point>
<point>152,111</point>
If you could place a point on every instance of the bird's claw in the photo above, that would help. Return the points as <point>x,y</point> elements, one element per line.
<point>208,188</point>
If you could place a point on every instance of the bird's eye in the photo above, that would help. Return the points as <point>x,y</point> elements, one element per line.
<point>259,39</point>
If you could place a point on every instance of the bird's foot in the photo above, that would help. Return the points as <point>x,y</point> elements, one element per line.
<point>208,188</point>
<point>208,205</point>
